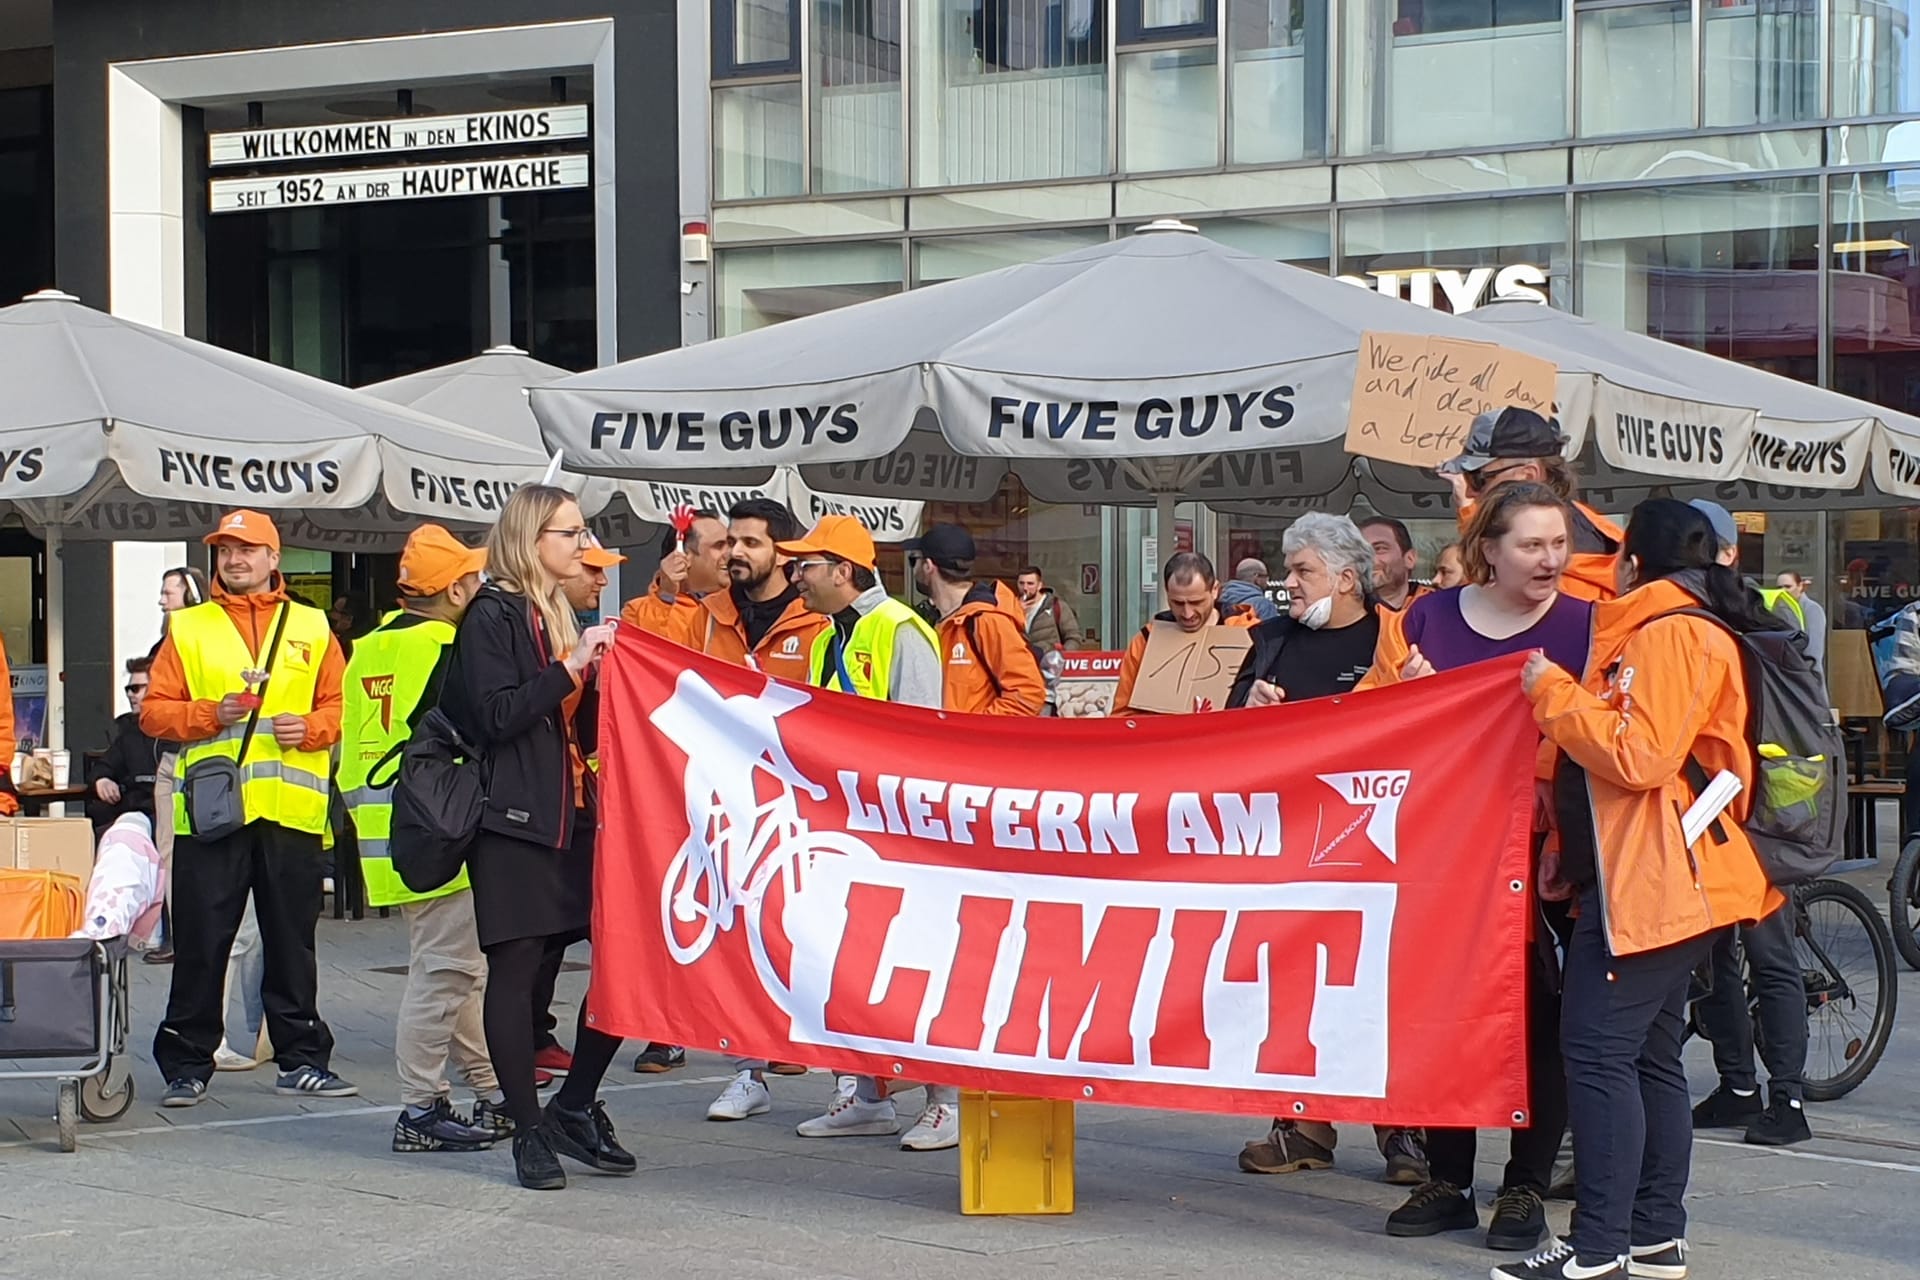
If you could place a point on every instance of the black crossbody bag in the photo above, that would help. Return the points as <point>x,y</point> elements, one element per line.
<point>211,787</point>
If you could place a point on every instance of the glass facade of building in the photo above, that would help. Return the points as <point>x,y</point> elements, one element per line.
<point>1732,175</point>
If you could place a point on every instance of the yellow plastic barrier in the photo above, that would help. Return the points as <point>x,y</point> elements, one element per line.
<point>1016,1154</point>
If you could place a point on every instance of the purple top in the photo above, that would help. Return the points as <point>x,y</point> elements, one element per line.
<point>1434,623</point>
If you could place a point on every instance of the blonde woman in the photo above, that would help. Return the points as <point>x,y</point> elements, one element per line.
<point>520,688</point>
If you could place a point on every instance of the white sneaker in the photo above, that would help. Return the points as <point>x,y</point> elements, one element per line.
<point>849,1117</point>
<point>744,1097</point>
<point>937,1129</point>
<point>225,1059</point>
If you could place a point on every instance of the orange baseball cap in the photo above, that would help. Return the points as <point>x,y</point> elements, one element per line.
<point>841,536</point>
<point>248,528</point>
<point>434,560</point>
<point>595,556</point>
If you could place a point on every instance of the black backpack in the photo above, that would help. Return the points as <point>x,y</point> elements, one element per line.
<point>1798,817</point>
<point>437,802</point>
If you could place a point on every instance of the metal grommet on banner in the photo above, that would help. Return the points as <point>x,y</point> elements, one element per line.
<point>897,1068</point>
<point>1519,1117</point>
<point>1132,725</point>
<point>724,1044</point>
<point>1515,886</point>
<point>1086,1091</point>
<point>1299,1108</point>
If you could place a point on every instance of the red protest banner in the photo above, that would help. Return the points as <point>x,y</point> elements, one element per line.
<point>1314,910</point>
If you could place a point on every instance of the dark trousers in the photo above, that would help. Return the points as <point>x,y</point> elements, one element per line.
<point>1781,989</point>
<point>514,970</point>
<point>283,871</point>
<point>1621,1025</point>
<point>1531,1150</point>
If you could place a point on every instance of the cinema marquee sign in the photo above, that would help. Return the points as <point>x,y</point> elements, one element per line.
<point>411,180</point>
<point>379,137</point>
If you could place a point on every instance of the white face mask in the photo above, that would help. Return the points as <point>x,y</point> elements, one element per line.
<point>1318,613</point>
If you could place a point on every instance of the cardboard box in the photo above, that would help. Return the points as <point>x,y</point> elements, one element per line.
<point>48,844</point>
<point>1187,671</point>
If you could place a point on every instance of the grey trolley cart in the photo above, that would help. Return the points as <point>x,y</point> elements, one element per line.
<point>63,1004</point>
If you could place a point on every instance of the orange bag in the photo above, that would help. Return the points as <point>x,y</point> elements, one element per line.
<point>40,904</point>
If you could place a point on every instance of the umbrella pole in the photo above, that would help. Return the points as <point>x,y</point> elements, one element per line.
<point>56,641</point>
<point>1164,503</point>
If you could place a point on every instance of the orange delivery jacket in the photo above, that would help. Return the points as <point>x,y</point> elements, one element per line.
<point>1657,691</point>
<point>712,625</point>
<point>990,669</point>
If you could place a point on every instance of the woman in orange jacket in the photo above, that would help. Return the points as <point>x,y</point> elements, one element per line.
<point>1660,689</point>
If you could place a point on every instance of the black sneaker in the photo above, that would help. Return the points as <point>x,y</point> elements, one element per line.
<point>1519,1220</point>
<point>1432,1208</point>
<point>184,1092</point>
<point>441,1129</point>
<point>492,1116</point>
<point>588,1136</point>
<point>1725,1109</point>
<point>1782,1124</point>
<point>1664,1261</point>
<point>1558,1261</point>
<point>534,1162</point>
<point>313,1082</point>
<point>657,1057</point>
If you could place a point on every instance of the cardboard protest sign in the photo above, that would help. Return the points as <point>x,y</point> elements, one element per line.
<point>1184,671</point>
<point>1414,396</point>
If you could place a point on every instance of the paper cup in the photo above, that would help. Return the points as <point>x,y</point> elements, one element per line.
<point>62,767</point>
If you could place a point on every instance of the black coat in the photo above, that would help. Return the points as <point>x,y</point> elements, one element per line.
<point>505,690</point>
<point>1269,638</point>
<point>131,760</point>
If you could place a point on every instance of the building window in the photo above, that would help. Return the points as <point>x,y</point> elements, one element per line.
<point>760,286</point>
<point>1731,269</point>
<point>1763,61</point>
<point>1427,75</point>
<point>758,147</point>
<point>1636,66</point>
<point>939,258</point>
<point>1874,73</point>
<point>1277,61</point>
<point>1874,280</point>
<point>1170,109</point>
<point>756,38</point>
<point>1457,256</point>
<point>26,192</point>
<point>857,140</point>
<point>1150,21</point>
<point>1008,91</point>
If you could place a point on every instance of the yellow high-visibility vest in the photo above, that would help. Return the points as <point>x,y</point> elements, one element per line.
<point>277,785</point>
<point>868,655</point>
<point>386,678</point>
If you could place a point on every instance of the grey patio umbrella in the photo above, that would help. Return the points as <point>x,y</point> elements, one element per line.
<point>109,426</point>
<point>1159,367</point>
<point>489,393</point>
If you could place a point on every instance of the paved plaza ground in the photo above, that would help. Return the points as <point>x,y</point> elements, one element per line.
<point>250,1184</point>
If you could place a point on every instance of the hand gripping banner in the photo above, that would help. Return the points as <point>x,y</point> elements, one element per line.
<point>1313,910</point>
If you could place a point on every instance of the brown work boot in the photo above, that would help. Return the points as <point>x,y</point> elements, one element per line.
<point>1285,1150</point>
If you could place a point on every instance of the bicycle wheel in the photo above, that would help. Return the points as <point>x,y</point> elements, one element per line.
<point>1847,957</point>
<point>1903,904</point>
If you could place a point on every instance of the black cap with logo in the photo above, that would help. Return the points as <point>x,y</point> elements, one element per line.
<point>1512,432</point>
<point>948,546</point>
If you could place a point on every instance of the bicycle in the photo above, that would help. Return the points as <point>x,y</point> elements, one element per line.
<point>1846,957</point>
<point>1903,903</point>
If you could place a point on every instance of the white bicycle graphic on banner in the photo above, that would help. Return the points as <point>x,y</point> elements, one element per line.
<point>736,844</point>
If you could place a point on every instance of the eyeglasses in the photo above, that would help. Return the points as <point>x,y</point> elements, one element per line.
<point>135,690</point>
<point>801,566</point>
<point>581,536</point>
<point>1487,475</point>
